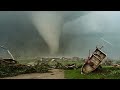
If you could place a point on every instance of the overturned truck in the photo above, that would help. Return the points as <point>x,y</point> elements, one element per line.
<point>93,61</point>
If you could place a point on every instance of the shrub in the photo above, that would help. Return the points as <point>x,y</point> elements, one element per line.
<point>13,70</point>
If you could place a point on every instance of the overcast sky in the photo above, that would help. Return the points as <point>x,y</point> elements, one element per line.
<point>81,31</point>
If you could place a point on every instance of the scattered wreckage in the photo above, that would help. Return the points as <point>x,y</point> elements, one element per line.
<point>91,64</point>
<point>59,65</point>
<point>7,61</point>
<point>10,61</point>
<point>71,66</point>
<point>116,65</point>
<point>93,61</point>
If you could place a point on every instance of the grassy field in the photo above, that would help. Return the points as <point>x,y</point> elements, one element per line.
<point>105,73</point>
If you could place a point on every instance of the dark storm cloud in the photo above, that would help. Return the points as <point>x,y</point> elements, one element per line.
<point>80,32</point>
<point>20,36</point>
<point>19,33</point>
<point>87,31</point>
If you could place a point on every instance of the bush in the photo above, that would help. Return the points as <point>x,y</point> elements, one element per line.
<point>13,70</point>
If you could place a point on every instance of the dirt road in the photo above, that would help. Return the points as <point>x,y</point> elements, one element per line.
<point>54,74</point>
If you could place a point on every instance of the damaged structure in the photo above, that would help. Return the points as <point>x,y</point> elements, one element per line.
<point>93,61</point>
<point>4,61</point>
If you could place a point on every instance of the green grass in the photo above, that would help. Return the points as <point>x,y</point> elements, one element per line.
<point>105,73</point>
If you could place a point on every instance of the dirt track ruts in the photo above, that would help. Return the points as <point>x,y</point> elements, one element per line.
<point>54,74</point>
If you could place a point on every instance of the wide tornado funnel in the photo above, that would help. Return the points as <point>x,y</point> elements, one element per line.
<point>49,25</point>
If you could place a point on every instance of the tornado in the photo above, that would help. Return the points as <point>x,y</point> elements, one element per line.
<point>49,25</point>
